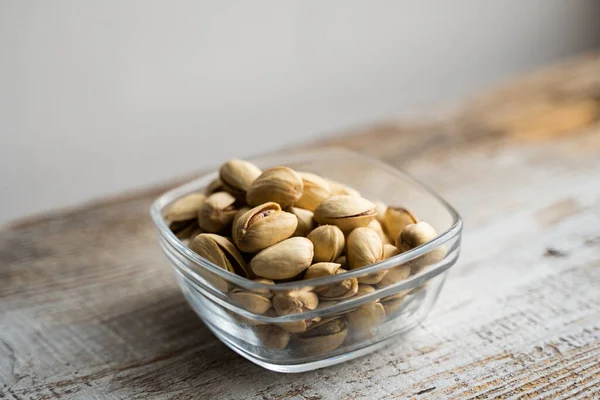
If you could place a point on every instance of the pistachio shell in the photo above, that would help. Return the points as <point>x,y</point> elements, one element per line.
<point>380,209</point>
<point>364,290</point>
<point>342,261</point>
<point>337,291</point>
<point>363,248</point>
<point>252,302</point>
<point>324,338</point>
<point>338,188</point>
<point>185,208</point>
<point>214,186</point>
<point>272,336</point>
<point>280,185</point>
<point>184,229</point>
<point>263,292</point>
<point>372,278</point>
<point>306,222</point>
<point>263,226</point>
<point>283,260</point>
<point>217,212</point>
<point>294,302</point>
<point>366,316</point>
<point>393,303</point>
<point>395,219</point>
<point>376,226</point>
<point>237,176</point>
<point>389,251</point>
<point>347,212</point>
<point>316,189</point>
<point>328,241</point>
<point>394,275</point>
<point>222,253</point>
<point>416,235</point>
<point>297,326</point>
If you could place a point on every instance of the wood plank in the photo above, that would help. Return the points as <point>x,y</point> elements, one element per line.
<point>89,308</point>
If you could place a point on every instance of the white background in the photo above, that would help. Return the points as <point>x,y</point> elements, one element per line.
<point>100,97</point>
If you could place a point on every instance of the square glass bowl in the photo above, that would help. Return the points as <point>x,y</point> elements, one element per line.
<point>336,331</point>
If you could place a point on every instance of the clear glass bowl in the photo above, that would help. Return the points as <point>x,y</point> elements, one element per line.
<point>346,328</point>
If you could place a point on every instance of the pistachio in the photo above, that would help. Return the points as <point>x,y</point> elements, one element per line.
<point>391,304</point>
<point>316,189</point>
<point>416,235</point>
<point>237,216</point>
<point>263,226</point>
<point>272,336</point>
<point>338,188</point>
<point>394,275</point>
<point>280,185</point>
<point>347,212</point>
<point>323,338</point>
<point>395,219</point>
<point>217,212</point>
<point>366,317</point>
<point>237,176</point>
<point>263,292</point>
<point>184,229</point>
<point>283,260</point>
<point>342,261</point>
<point>376,226</point>
<point>298,326</point>
<point>328,241</point>
<point>222,253</point>
<point>294,302</point>
<point>306,222</point>
<point>252,302</point>
<point>380,209</point>
<point>389,251</point>
<point>337,291</point>
<point>214,186</point>
<point>185,208</point>
<point>363,248</point>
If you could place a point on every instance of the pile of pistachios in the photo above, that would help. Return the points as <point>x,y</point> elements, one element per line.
<point>281,225</point>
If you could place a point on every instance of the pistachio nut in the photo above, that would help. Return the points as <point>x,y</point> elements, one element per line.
<point>316,189</point>
<point>364,248</point>
<point>395,274</point>
<point>263,226</point>
<point>337,291</point>
<point>252,302</point>
<point>283,260</point>
<point>306,222</point>
<point>376,226</point>
<point>337,188</point>
<point>280,185</point>
<point>323,338</point>
<point>214,186</point>
<point>263,292</point>
<point>185,208</point>
<point>389,251</point>
<point>298,326</point>
<point>342,261</point>
<point>237,216</point>
<point>395,219</point>
<point>184,229</point>
<point>380,209</point>
<point>222,253</point>
<point>347,212</point>
<point>272,336</point>
<point>237,176</point>
<point>366,317</point>
<point>217,212</point>
<point>418,234</point>
<point>364,290</point>
<point>328,241</point>
<point>391,304</point>
<point>294,302</point>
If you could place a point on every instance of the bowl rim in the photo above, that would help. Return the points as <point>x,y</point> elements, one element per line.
<point>325,152</point>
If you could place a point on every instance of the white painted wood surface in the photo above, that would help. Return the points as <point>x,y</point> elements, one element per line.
<point>89,308</point>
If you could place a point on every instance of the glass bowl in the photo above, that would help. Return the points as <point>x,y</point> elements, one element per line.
<point>336,331</point>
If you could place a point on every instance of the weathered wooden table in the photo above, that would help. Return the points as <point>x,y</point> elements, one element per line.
<point>90,309</point>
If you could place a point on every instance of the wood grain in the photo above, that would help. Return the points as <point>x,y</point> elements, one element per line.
<point>89,308</point>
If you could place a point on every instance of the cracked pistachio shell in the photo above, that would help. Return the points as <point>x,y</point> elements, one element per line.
<point>263,226</point>
<point>395,219</point>
<point>294,302</point>
<point>338,188</point>
<point>328,241</point>
<point>217,212</point>
<point>418,234</point>
<point>306,221</point>
<point>281,185</point>
<point>364,248</point>
<point>222,253</point>
<point>237,216</point>
<point>376,226</point>
<point>283,260</point>
<point>366,316</point>
<point>323,338</point>
<point>214,186</point>
<point>185,208</point>
<point>316,189</point>
<point>337,291</point>
<point>394,275</point>
<point>252,302</point>
<point>237,176</point>
<point>380,209</point>
<point>346,212</point>
<point>272,336</point>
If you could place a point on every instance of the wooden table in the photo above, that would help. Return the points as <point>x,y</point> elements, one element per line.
<point>90,309</point>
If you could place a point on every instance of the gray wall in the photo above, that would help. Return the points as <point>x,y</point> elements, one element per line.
<point>98,97</point>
